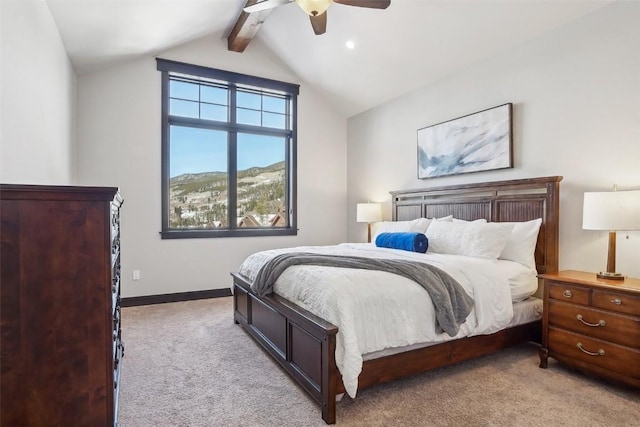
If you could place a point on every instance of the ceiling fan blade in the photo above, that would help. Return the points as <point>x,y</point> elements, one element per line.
<point>373,4</point>
<point>319,23</point>
<point>264,5</point>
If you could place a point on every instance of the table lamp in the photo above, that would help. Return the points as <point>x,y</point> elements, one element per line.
<point>612,211</point>
<point>368,212</point>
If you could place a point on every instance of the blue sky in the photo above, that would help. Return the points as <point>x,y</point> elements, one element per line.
<point>196,150</point>
<point>202,150</point>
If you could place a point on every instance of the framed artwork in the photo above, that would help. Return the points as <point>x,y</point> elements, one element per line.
<point>473,143</point>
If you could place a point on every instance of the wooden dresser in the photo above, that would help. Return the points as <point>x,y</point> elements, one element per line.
<point>60,346</point>
<point>592,325</point>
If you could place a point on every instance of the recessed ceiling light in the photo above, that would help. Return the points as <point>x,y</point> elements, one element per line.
<point>350,44</point>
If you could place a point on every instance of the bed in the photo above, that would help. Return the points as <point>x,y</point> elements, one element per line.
<point>304,344</point>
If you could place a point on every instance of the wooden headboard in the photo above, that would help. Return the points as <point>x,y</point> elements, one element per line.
<point>499,201</point>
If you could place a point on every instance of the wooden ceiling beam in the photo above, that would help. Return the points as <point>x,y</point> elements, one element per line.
<point>246,28</point>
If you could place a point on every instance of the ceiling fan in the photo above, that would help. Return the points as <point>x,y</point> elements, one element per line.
<point>317,9</point>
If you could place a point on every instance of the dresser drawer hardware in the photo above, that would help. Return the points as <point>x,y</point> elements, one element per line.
<point>567,293</point>
<point>616,301</point>
<point>590,353</point>
<point>601,322</point>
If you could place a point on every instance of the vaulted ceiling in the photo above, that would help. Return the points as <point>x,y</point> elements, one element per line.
<point>398,49</point>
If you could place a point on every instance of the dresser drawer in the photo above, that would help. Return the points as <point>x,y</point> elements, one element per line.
<point>595,352</point>
<point>605,325</point>
<point>622,303</point>
<point>563,292</point>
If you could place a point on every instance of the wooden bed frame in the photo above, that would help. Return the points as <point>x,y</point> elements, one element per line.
<point>304,344</point>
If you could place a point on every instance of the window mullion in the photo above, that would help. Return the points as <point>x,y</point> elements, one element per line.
<point>199,101</point>
<point>212,124</point>
<point>291,166</point>
<point>165,147</point>
<point>232,162</point>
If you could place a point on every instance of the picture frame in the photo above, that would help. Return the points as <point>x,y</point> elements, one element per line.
<point>476,142</point>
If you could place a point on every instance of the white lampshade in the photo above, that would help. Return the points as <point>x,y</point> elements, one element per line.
<point>368,212</point>
<point>314,7</point>
<point>611,210</point>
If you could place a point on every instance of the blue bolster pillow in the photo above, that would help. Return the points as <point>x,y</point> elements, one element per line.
<point>414,242</point>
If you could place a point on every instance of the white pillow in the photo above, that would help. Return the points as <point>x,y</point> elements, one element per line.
<point>521,244</point>
<point>418,225</point>
<point>464,220</point>
<point>475,239</point>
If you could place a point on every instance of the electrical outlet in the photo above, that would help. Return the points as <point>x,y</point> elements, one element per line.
<point>136,274</point>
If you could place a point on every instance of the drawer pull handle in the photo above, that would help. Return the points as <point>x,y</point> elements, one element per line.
<point>567,293</point>
<point>590,353</point>
<point>601,322</point>
<point>616,301</point>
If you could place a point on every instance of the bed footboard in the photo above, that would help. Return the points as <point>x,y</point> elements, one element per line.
<point>302,343</point>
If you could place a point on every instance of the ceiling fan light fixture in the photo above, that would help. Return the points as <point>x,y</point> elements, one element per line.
<point>314,7</point>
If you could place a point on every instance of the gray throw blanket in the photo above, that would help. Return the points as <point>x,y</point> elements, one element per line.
<point>452,304</point>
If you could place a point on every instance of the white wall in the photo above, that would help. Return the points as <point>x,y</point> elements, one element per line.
<point>37,91</point>
<point>576,95</point>
<point>119,144</point>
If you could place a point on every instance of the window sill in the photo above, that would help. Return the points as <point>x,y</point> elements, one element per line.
<point>211,234</point>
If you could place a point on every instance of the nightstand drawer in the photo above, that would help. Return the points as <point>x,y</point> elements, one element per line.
<point>622,303</point>
<point>563,292</point>
<point>595,352</point>
<point>599,324</point>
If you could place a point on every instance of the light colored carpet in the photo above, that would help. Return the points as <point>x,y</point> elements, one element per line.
<point>188,364</point>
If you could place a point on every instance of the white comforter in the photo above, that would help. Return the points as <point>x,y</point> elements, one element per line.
<point>375,310</point>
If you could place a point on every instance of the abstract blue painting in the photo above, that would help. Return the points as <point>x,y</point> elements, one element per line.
<point>477,142</point>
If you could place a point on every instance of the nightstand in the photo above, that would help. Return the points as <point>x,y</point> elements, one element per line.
<point>592,325</point>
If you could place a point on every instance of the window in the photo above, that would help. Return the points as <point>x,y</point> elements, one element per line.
<point>228,153</point>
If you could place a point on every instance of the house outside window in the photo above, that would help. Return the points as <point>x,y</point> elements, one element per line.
<point>228,153</point>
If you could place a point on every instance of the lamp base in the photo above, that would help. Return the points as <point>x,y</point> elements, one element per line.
<point>610,276</point>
